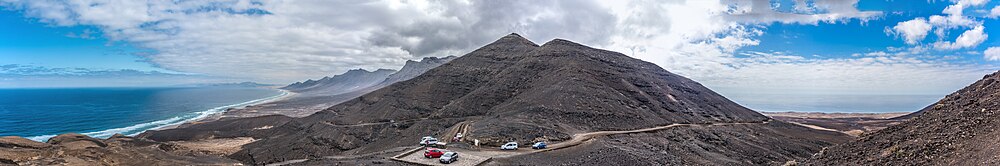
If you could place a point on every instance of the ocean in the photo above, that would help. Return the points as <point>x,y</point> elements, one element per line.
<point>830,103</point>
<point>39,114</point>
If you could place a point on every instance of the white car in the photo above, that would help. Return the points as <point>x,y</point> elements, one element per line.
<point>428,140</point>
<point>509,146</point>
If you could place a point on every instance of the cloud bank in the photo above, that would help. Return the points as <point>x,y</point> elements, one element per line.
<point>287,41</point>
<point>30,76</point>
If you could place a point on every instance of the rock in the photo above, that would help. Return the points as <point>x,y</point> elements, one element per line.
<point>15,156</point>
<point>79,145</point>
<point>74,137</point>
<point>20,142</point>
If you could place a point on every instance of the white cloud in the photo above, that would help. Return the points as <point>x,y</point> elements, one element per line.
<point>992,53</point>
<point>995,12</point>
<point>277,41</point>
<point>912,31</point>
<point>284,41</point>
<point>969,38</point>
<point>879,74</point>
<point>760,11</point>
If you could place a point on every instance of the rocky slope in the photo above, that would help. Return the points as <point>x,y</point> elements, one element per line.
<point>513,89</point>
<point>350,81</point>
<point>412,69</point>
<point>960,129</point>
<point>77,149</point>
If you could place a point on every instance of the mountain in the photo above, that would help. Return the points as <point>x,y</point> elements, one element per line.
<point>316,95</point>
<point>413,69</point>
<point>350,81</point>
<point>960,129</point>
<point>516,90</point>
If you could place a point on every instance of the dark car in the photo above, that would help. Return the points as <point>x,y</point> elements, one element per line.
<point>433,153</point>
<point>448,158</point>
<point>538,145</point>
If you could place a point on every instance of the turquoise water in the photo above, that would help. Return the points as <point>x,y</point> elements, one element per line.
<point>101,112</point>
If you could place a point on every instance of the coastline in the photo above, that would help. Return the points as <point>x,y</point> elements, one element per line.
<point>174,121</point>
<point>213,116</point>
<point>853,124</point>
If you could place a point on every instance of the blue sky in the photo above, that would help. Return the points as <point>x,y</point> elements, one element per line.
<point>29,42</point>
<point>761,46</point>
<point>840,40</point>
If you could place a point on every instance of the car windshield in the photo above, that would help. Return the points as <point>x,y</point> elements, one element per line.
<point>449,154</point>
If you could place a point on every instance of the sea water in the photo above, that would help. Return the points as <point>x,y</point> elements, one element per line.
<point>833,103</point>
<point>39,114</point>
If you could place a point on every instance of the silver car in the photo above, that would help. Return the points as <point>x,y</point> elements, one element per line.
<point>449,157</point>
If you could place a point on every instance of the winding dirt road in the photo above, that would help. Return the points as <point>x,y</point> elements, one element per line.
<point>495,153</point>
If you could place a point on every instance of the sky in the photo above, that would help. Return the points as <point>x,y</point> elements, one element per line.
<point>732,46</point>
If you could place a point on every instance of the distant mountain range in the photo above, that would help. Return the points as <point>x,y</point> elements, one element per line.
<point>363,80</point>
<point>315,95</point>
<point>350,81</point>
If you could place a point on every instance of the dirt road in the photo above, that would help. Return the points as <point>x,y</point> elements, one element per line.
<point>496,153</point>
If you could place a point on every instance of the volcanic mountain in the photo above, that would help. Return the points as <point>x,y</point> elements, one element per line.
<point>516,90</point>
<point>960,129</point>
<point>350,81</point>
<point>315,95</point>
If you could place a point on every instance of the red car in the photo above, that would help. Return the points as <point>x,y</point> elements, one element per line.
<point>433,153</point>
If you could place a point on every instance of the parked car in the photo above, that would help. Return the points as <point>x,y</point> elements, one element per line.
<point>448,158</point>
<point>433,153</point>
<point>538,145</point>
<point>509,146</point>
<point>428,140</point>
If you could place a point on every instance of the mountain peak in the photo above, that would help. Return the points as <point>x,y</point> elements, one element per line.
<point>560,42</point>
<point>513,38</point>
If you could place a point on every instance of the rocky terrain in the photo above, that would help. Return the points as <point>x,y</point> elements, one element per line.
<point>850,123</point>
<point>770,144</point>
<point>77,149</point>
<point>516,90</point>
<point>960,129</point>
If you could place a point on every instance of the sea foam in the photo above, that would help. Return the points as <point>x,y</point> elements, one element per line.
<point>142,127</point>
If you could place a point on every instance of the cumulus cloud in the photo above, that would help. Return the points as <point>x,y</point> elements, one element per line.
<point>912,31</point>
<point>287,41</point>
<point>292,40</point>
<point>969,38</point>
<point>995,12</point>
<point>877,72</point>
<point>760,11</point>
<point>992,53</point>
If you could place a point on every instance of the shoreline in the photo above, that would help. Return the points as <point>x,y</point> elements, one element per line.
<point>173,122</point>
<point>853,124</point>
<point>213,116</point>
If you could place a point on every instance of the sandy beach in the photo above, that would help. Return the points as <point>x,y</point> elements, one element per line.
<point>849,123</point>
<point>238,110</point>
